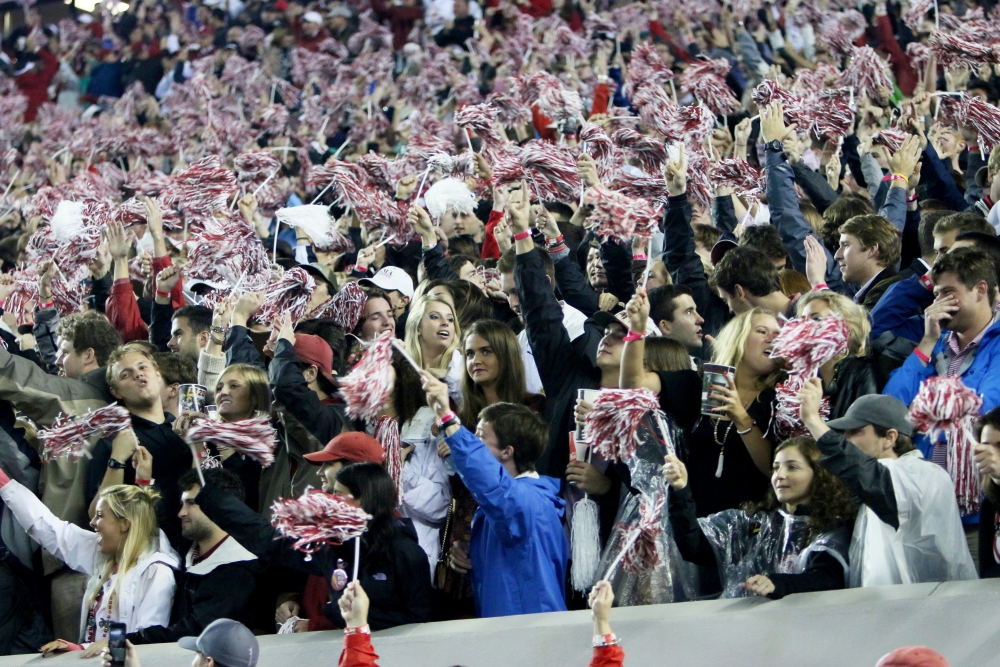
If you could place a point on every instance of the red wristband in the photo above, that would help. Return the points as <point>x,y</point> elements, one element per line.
<point>639,257</point>
<point>45,306</point>
<point>821,286</point>
<point>633,336</point>
<point>143,482</point>
<point>447,417</point>
<point>910,200</point>
<point>926,281</point>
<point>162,294</point>
<point>360,630</point>
<point>522,235</point>
<point>921,356</point>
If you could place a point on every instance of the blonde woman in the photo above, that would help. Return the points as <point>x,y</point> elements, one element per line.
<point>729,452</point>
<point>129,560</point>
<point>851,376</point>
<point>433,337</point>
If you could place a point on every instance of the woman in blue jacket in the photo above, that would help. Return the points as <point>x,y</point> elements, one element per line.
<point>518,550</point>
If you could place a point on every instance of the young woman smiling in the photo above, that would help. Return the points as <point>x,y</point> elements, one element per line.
<point>433,337</point>
<point>128,558</point>
<point>494,371</point>
<point>796,540</point>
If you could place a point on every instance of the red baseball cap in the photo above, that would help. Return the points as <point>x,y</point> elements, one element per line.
<point>913,656</point>
<point>352,446</point>
<point>314,351</point>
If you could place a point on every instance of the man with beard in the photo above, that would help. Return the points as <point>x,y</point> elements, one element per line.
<point>219,576</point>
<point>134,379</point>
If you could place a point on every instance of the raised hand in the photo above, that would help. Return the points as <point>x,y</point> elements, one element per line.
<point>421,223</point>
<point>587,168</point>
<point>118,241</point>
<point>815,261</point>
<point>675,174</point>
<point>167,279</point>
<point>354,605</point>
<point>638,311</point>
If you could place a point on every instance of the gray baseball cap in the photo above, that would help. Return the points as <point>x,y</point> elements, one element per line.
<point>878,410</point>
<point>229,643</point>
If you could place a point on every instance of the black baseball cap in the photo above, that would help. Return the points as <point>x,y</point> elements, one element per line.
<point>229,643</point>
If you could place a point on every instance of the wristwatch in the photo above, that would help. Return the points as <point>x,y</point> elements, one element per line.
<point>774,145</point>
<point>115,464</point>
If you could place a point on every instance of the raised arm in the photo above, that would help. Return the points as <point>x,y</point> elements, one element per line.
<point>867,479</point>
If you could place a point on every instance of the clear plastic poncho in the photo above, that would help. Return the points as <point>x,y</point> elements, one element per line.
<point>766,543</point>
<point>930,544</point>
<point>673,579</point>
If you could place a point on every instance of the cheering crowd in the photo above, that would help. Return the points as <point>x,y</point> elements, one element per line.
<point>352,315</point>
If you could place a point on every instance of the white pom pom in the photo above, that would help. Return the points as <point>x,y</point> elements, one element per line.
<point>314,220</point>
<point>67,221</point>
<point>449,194</point>
<point>585,543</point>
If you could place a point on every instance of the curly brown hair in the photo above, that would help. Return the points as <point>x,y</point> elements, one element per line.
<point>829,500</point>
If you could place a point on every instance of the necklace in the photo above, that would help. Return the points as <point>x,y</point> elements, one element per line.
<point>721,442</point>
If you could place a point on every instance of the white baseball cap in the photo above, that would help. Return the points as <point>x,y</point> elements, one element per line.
<point>312,17</point>
<point>391,278</point>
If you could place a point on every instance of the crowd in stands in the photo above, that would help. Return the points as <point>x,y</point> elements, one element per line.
<point>571,300</point>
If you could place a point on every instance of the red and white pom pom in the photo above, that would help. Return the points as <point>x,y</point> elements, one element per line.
<point>960,50</point>
<point>786,420</point>
<point>316,519</point>
<point>367,387</point>
<point>344,307</point>
<point>69,436</point>
<point>830,118</point>
<point>612,427</point>
<point>705,79</point>
<point>650,152</point>
<point>914,17</point>
<point>254,438</point>
<point>620,217</point>
<point>944,405</point>
<point>551,171</point>
<point>740,175</point>
<point>481,120</point>
<point>643,552</point>
<point>510,112</point>
<point>866,73</point>
<point>806,344</point>
<point>890,138</point>
<point>985,118</point>
<point>596,143</point>
<point>289,294</point>
<point>387,433</point>
<point>919,55</point>
<point>646,68</point>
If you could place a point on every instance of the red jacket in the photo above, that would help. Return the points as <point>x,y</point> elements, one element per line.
<point>401,19</point>
<point>906,76</point>
<point>34,84</point>
<point>490,247</point>
<point>123,311</point>
<point>359,652</point>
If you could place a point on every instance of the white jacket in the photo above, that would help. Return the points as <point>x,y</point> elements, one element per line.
<point>147,590</point>
<point>930,544</point>
<point>425,489</point>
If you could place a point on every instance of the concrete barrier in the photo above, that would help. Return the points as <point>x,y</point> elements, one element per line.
<point>850,628</point>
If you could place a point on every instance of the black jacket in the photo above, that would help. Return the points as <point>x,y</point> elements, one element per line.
<point>853,377</point>
<point>883,280</point>
<point>221,586</point>
<point>685,265</point>
<point>400,592</point>
<point>171,457</point>
<point>824,572</point>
